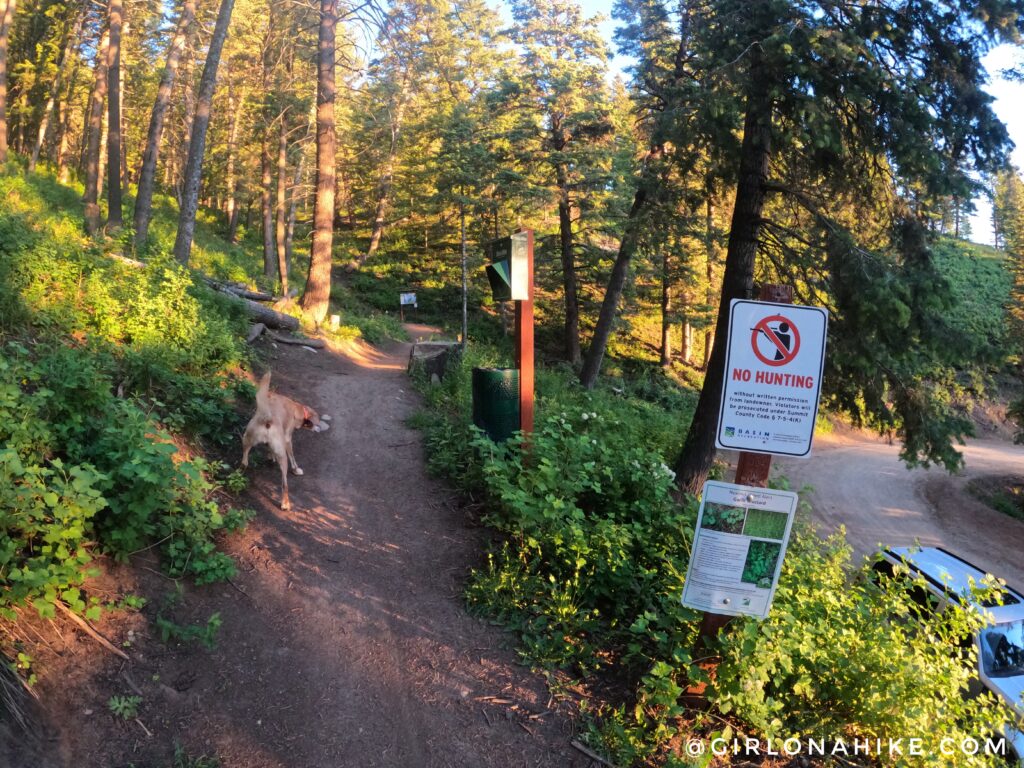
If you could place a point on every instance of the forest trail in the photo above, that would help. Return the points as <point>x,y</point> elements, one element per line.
<point>345,640</point>
<point>858,481</point>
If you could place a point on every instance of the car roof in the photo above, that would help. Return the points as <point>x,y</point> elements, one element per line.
<point>954,574</point>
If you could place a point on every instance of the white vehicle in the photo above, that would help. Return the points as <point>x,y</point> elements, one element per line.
<point>1000,645</point>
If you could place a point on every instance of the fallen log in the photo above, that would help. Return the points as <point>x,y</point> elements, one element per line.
<point>299,340</point>
<point>268,316</point>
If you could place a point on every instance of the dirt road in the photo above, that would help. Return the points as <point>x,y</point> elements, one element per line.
<point>344,640</point>
<point>858,481</point>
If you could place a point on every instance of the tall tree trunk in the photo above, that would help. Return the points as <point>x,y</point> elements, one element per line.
<point>738,280</point>
<point>387,178</point>
<point>317,294</point>
<point>197,144</point>
<point>55,90</point>
<point>617,281</point>
<point>229,177</point>
<point>115,17</point>
<point>572,307</point>
<point>465,270</point>
<point>95,139</point>
<point>122,66</point>
<point>666,302</point>
<point>151,154</point>
<point>297,190</point>
<point>266,180</point>
<point>281,203</point>
<point>709,254</point>
<point>5,33</point>
<point>686,350</point>
<point>63,140</point>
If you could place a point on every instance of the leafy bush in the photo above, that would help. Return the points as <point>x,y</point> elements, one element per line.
<point>589,568</point>
<point>97,358</point>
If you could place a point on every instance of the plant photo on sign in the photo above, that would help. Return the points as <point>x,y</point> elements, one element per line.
<point>759,567</point>
<point>762,524</point>
<point>719,517</point>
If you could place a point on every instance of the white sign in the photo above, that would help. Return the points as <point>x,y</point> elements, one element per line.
<point>407,299</point>
<point>774,360</point>
<point>738,546</point>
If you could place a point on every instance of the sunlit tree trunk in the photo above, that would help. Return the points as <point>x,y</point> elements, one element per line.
<point>234,107</point>
<point>95,138</point>
<point>738,280</point>
<point>266,180</point>
<point>115,18</point>
<point>151,154</point>
<point>281,203</point>
<point>572,308</point>
<point>317,294</point>
<point>5,33</point>
<point>197,144</point>
<point>666,302</point>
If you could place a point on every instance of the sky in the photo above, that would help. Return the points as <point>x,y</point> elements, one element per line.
<point>1009,103</point>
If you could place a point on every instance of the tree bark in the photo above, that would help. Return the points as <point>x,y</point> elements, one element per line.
<point>572,306</point>
<point>150,156</point>
<point>617,281</point>
<point>293,204</point>
<point>95,132</point>
<point>115,15</point>
<point>281,203</point>
<point>234,107</point>
<point>5,33</point>
<point>709,253</point>
<point>267,211</point>
<point>317,294</point>
<point>738,280</point>
<point>197,145</point>
<point>666,301</point>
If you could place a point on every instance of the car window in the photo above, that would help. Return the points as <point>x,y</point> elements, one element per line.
<point>1002,649</point>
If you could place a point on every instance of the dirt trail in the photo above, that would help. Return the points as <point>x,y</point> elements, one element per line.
<point>344,639</point>
<point>858,481</point>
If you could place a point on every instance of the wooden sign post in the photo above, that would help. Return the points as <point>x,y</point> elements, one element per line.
<point>524,343</point>
<point>752,469</point>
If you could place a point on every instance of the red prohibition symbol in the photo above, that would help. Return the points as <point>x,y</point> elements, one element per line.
<point>784,340</point>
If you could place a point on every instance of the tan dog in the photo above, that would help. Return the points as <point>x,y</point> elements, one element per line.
<point>275,419</point>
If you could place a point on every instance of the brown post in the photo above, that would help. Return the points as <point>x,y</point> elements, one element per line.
<point>751,469</point>
<point>524,344</point>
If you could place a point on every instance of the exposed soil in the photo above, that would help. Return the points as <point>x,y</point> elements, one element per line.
<point>344,640</point>
<point>857,481</point>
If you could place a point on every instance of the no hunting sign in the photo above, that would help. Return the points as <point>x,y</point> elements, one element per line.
<point>774,361</point>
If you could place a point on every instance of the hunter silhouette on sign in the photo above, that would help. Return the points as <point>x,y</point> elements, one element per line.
<point>781,340</point>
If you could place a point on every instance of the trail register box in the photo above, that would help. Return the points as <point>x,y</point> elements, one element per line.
<point>738,546</point>
<point>774,361</point>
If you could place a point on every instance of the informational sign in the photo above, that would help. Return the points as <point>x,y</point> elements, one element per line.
<point>738,547</point>
<point>407,299</point>
<point>774,361</point>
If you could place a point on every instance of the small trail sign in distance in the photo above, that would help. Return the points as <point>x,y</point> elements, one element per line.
<point>738,546</point>
<point>774,361</point>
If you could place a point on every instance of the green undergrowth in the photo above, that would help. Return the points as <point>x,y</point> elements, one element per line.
<point>112,378</point>
<point>587,564</point>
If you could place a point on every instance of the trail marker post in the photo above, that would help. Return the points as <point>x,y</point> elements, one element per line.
<point>510,274</point>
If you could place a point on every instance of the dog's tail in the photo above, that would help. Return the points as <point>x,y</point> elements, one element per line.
<point>263,392</point>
